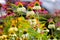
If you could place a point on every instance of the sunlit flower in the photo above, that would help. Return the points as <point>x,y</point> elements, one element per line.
<point>37,6</point>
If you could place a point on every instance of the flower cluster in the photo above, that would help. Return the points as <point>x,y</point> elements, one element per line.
<point>31,23</point>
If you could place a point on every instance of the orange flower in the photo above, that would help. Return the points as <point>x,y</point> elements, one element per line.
<point>37,3</point>
<point>20,4</point>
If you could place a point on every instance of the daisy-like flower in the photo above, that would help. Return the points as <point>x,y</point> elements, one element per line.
<point>51,25</point>
<point>37,6</point>
<point>30,11</point>
<point>21,8</point>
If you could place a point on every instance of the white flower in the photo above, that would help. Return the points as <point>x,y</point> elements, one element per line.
<point>37,7</point>
<point>22,9</point>
<point>30,13</point>
<point>51,26</point>
<point>32,21</point>
<point>58,28</point>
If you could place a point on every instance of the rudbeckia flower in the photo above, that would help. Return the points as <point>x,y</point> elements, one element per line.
<point>36,6</point>
<point>30,11</point>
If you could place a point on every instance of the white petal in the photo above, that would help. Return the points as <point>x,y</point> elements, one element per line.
<point>37,7</point>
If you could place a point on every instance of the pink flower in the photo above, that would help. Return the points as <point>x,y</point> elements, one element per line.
<point>50,20</point>
<point>12,14</point>
<point>45,12</point>
<point>31,4</point>
<point>40,11</point>
<point>58,24</point>
<point>16,3</point>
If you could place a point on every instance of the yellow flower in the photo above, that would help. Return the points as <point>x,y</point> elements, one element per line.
<point>42,25</point>
<point>20,18</point>
<point>19,26</point>
<point>14,21</point>
<point>1,26</point>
